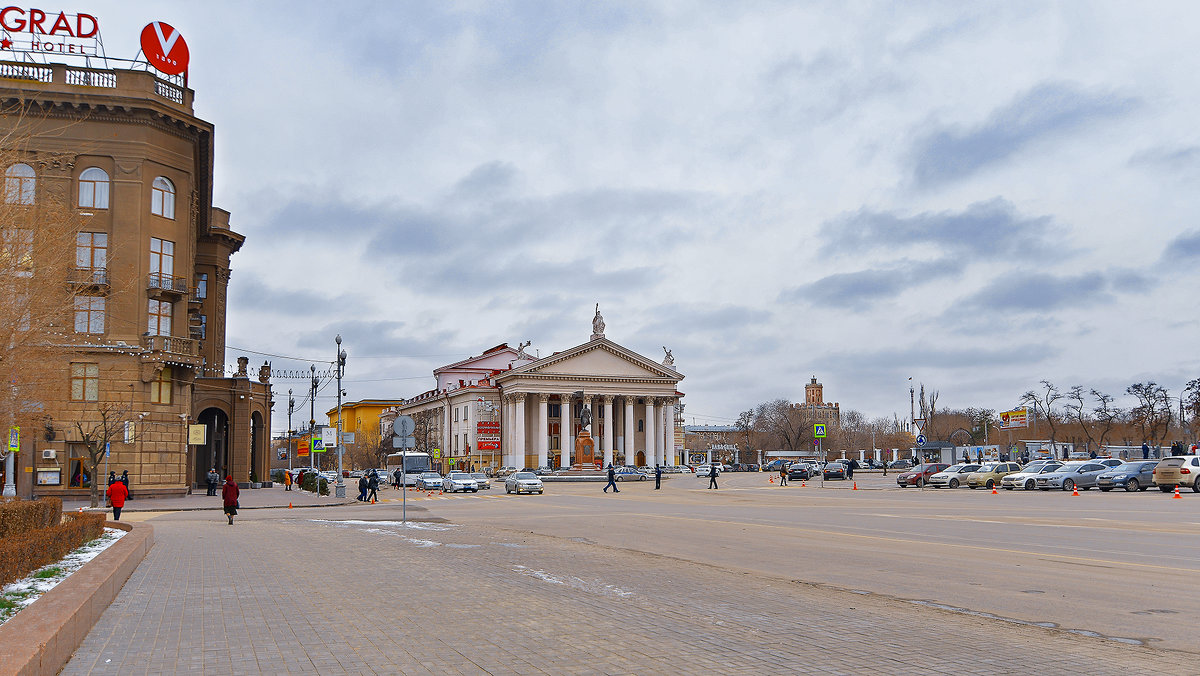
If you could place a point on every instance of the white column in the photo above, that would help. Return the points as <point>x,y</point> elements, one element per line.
<point>609,447</point>
<point>519,446</point>
<point>446,431</point>
<point>543,442</point>
<point>669,432</point>
<point>651,437</point>
<point>630,429</point>
<point>566,432</point>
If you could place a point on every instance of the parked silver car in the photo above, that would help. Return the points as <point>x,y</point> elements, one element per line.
<point>1072,475</point>
<point>482,480</point>
<point>523,482</point>
<point>1027,477</point>
<point>952,476</point>
<point>429,481</point>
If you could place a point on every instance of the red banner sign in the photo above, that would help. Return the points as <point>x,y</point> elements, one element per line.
<point>58,33</point>
<point>165,48</point>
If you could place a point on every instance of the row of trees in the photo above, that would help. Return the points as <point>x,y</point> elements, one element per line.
<point>1088,417</point>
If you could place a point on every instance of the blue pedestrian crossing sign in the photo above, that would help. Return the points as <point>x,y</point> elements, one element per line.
<point>819,431</point>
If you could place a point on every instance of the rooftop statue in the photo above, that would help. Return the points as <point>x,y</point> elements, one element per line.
<point>668,360</point>
<point>597,324</point>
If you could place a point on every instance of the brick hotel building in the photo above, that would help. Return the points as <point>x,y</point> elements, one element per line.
<point>124,148</point>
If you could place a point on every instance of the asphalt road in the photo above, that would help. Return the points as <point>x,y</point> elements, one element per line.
<point>1121,565</point>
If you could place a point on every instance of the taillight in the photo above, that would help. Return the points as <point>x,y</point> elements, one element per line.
<point>1184,470</point>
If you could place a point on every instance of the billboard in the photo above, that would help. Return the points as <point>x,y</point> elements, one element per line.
<point>487,435</point>
<point>1015,419</point>
<point>302,448</point>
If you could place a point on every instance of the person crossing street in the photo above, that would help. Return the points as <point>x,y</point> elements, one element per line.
<point>612,480</point>
<point>712,476</point>
<point>657,477</point>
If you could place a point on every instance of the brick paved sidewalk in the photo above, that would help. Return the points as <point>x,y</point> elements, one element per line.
<point>249,498</point>
<point>314,591</point>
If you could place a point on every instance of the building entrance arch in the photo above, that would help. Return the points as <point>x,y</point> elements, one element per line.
<point>214,454</point>
<point>641,459</point>
<point>257,453</point>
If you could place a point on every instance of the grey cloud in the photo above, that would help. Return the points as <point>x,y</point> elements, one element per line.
<point>860,289</point>
<point>1183,249</point>
<point>991,229</point>
<point>250,293</point>
<point>1048,110</point>
<point>901,360</point>
<point>1042,292</point>
<point>486,180</point>
<point>390,337</point>
<point>1170,159</point>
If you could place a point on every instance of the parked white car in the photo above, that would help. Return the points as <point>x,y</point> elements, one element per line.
<point>460,481</point>
<point>523,482</point>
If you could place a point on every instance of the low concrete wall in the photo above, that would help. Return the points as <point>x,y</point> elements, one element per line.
<point>43,636</point>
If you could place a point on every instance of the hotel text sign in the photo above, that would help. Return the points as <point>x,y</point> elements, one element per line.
<point>35,30</point>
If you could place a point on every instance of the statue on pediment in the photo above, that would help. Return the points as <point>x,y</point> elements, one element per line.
<point>597,325</point>
<point>668,360</point>
<point>521,353</point>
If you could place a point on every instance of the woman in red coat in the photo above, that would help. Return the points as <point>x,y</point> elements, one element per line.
<point>117,492</point>
<point>229,492</point>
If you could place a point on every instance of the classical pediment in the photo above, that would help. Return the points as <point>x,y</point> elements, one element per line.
<point>597,359</point>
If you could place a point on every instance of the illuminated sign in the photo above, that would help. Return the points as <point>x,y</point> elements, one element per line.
<point>35,30</point>
<point>165,48</point>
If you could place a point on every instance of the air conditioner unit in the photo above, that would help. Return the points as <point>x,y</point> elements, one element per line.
<point>48,454</point>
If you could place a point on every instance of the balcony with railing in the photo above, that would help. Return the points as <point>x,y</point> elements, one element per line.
<point>162,284</point>
<point>92,278</point>
<point>138,79</point>
<point>173,349</point>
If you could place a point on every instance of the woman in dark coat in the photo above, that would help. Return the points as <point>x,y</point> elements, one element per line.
<point>229,492</point>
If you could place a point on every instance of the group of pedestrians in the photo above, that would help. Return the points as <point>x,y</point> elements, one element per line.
<point>612,479</point>
<point>368,483</point>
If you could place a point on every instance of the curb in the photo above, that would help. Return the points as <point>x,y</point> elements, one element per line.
<point>42,637</point>
<point>203,509</point>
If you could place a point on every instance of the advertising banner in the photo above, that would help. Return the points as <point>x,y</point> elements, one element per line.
<point>302,448</point>
<point>487,435</point>
<point>1011,420</point>
<point>14,439</point>
<point>197,435</point>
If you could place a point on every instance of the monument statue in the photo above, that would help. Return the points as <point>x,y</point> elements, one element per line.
<point>585,416</point>
<point>521,353</point>
<point>597,325</point>
<point>668,360</point>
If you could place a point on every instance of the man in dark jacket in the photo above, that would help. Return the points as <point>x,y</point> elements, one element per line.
<point>373,486</point>
<point>657,477</point>
<point>214,480</point>
<point>612,480</point>
<point>712,475</point>
<point>363,483</point>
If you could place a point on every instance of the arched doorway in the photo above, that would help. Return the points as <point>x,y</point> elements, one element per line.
<point>641,458</point>
<point>257,453</point>
<point>215,451</point>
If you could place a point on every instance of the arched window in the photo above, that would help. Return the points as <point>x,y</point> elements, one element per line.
<point>19,184</point>
<point>162,198</point>
<point>93,188</point>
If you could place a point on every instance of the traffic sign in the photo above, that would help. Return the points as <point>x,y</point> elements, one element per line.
<point>329,437</point>
<point>403,426</point>
<point>920,439</point>
<point>404,442</point>
<point>819,430</point>
<point>437,454</point>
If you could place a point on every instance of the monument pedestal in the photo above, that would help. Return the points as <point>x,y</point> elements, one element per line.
<point>585,451</point>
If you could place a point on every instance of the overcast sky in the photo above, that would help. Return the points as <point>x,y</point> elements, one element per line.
<point>974,195</point>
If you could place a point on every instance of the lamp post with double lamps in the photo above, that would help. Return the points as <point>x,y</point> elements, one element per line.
<point>312,422</point>
<point>291,408</point>
<point>341,367</point>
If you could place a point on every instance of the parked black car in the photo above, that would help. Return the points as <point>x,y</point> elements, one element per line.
<point>834,470</point>
<point>799,472</point>
<point>1134,475</point>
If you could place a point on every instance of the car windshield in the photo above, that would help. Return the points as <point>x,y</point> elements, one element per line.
<point>459,475</point>
<point>1172,462</point>
<point>430,475</point>
<point>1134,467</point>
<point>478,475</point>
<point>525,475</point>
<point>1070,467</point>
<point>987,468</point>
<point>1046,469</point>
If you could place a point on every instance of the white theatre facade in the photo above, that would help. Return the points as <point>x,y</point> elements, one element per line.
<point>537,402</point>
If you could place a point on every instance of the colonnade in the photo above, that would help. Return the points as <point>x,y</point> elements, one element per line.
<point>523,439</point>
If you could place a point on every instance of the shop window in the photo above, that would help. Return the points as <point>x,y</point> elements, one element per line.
<point>162,198</point>
<point>89,314</point>
<point>20,184</point>
<point>93,188</point>
<point>160,388</point>
<point>85,382</point>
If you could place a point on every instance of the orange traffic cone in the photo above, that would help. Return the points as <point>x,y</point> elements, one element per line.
<point>771,480</point>
<point>290,506</point>
<point>801,484</point>
<point>1075,490</point>
<point>1176,492</point>
<point>994,490</point>
<point>372,501</point>
<point>1177,496</point>
<point>855,485</point>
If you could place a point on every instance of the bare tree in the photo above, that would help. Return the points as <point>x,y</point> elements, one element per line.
<point>1152,415</point>
<point>1191,408</point>
<point>1077,411</point>
<point>1043,403</point>
<point>783,424</point>
<point>1107,415</point>
<point>97,434</point>
<point>745,424</point>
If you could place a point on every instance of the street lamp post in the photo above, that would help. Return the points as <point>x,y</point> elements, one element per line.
<point>341,366</point>
<point>291,408</point>
<point>312,422</point>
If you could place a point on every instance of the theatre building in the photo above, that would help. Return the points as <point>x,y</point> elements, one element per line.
<point>122,147</point>
<point>525,411</point>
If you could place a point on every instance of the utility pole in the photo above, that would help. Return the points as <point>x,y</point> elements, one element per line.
<point>312,422</point>
<point>912,409</point>
<point>291,408</point>
<point>341,366</point>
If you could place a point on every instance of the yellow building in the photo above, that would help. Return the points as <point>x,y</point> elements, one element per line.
<point>362,419</point>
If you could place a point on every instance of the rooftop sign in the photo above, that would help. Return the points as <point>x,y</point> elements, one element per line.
<point>165,48</point>
<point>34,30</point>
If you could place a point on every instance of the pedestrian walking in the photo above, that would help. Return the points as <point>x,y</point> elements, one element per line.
<point>712,475</point>
<point>397,477</point>
<point>363,484</point>
<point>214,480</point>
<point>1145,451</point>
<point>287,480</point>
<point>612,480</point>
<point>373,486</point>
<point>117,492</point>
<point>125,480</point>
<point>112,478</point>
<point>229,495</point>
<point>850,469</point>
<point>657,477</point>
<point>783,472</point>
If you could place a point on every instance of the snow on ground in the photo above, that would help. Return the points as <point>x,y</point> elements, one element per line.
<point>16,595</point>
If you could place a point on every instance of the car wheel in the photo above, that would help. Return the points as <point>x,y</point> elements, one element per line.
<point>1132,485</point>
<point>1165,489</point>
<point>1068,484</point>
<point>1196,486</point>
<point>954,483</point>
<point>919,482</point>
<point>508,490</point>
<point>1030,485</point>
<point>990,483</point>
